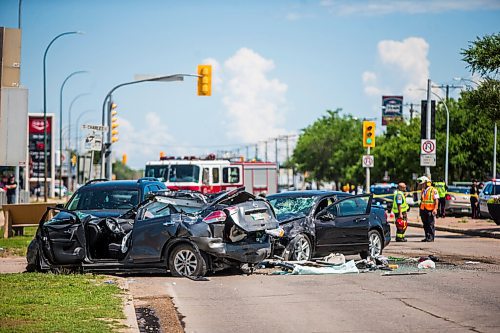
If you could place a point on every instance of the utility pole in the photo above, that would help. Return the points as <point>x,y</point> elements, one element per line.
<point>247,153</point>
<point>447,89</point>
<point>288,163</point>
<point>411,111</point>
<point>428,122</point>
<point>256,151</point>
<point>265,151</point>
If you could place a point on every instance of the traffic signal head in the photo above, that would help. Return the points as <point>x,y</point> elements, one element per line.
<point>124,159</point>
<point>73,160</point>
<point>114,123</point>
<point>368,134</point>
<point>205,80</point>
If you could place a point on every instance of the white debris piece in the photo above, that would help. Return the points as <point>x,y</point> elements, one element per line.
<point>348,267</point>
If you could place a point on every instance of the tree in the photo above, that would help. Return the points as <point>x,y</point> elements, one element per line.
<point>330,149</point>
<point>483,55</point>
<point>122,171</point>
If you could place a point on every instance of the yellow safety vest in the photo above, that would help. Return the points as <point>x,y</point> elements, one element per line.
<point>441,188</point>
<point>427,198</point>
<point>404,205</point>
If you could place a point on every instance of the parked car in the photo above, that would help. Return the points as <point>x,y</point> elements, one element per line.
<point>317,223</point>
<point>186,233</point>
<point>102,197</point>
<point>383,189</point>
<point>458,200</point>
<point>490,189</point>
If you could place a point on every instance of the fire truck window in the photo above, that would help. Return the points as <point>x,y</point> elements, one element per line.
<point>205,178</point>
<point>215,175</point>
<point>231,175</point>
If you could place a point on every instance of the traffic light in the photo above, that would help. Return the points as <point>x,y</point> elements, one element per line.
<point>73,160</point>
<point>368,134</point>
<point>205,80</point>
<point>114,123</point>
<point>124,159</point>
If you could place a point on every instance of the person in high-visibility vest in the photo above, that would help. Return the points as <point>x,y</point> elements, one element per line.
<point>442,191</point>
<point>399,208</point>
<point>429,202</point>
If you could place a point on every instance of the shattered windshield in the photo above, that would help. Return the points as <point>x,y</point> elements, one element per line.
<point>292,207</point>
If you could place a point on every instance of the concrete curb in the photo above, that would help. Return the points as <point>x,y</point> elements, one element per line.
<point>468,232</point>
<point>128,309</point>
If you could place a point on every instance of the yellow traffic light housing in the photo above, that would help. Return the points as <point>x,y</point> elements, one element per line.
<point>205,80</point>
<point>124,159</point>
<point>114,123</point>
<point>73,160</point>
<point>368,134</point>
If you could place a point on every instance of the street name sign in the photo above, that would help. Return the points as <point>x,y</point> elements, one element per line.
<point>368,161</point>
<point>428,147</point>
<point>95,127</point>
<point>428,160</point>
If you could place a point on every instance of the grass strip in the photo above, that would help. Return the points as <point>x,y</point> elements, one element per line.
<point>36,302</point>
<point>17,245</point>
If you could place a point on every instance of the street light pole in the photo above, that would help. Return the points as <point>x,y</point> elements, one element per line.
<point>60,126</point>
<point>45,108</point>
<point>108,100</point>
<point>428,123</point>
<point>69,114</point>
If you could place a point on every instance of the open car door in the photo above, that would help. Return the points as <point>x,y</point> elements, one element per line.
<point>63,237</point>
<point>343,226</point>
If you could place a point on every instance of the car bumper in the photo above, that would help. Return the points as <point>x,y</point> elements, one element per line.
<point>251,253</point>
<point>458,207</point>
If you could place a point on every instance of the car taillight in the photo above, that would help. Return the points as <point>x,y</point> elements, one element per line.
<point>448,197</point>
<point>217,216</point>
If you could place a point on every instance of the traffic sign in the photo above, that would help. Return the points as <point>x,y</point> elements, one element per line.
<point>368,161</point>
<point>93,141</point>
<point>428,160</point>
<point>95,127</point>
<point>428,146</point>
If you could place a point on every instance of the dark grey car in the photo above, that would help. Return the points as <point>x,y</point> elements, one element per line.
<point>186,233</point>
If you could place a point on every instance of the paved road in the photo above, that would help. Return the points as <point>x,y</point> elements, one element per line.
<point>459,298</point>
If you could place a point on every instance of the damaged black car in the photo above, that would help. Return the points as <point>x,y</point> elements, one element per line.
<point>184,232</point>
<point>317,223</point>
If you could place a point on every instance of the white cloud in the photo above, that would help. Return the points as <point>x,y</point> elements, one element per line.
<point>253,100</point>
<point>385,7</point>
<point>405,68</point>
<point>217,78</point>
<point>136,143</point>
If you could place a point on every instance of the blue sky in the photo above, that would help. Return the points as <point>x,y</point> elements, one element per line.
<point>278,64</point>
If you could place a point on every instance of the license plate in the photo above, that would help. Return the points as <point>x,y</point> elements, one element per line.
<point>258,216</point>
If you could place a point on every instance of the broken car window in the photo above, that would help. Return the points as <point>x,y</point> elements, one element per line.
<point>287,208</point>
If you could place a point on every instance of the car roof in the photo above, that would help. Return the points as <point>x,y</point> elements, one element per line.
<point>307,193</point>
<point>123,184</point>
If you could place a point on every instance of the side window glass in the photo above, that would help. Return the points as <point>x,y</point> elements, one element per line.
<point>205,177</point>
<point>353,206</point>
<point>231,175</point>
<point>334,210</point>
<point>322,205</point>
<point>215,175</point>
<point>156,209</point>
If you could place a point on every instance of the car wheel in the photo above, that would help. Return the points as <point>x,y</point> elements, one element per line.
<point>185,260</point>
<point>300,248</point>
<point>375,245</point>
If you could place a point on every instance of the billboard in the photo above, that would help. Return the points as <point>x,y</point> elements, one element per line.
<point>36,146</point>
<point>392,109</point>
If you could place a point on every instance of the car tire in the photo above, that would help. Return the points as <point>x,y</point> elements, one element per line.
<point>185,260</point>
<point>375,245</point>
<point>300,248</point>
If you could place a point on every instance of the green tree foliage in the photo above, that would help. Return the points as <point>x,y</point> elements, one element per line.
<point>483,55</point>
<point>122,171</point>
<point>330,149</point>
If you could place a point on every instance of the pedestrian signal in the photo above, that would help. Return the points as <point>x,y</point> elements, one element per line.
<point>368,134</point>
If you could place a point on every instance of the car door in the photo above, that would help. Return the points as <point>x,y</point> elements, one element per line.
<point>153,227</point>
<point>343,226</point>
<point>63,237</point>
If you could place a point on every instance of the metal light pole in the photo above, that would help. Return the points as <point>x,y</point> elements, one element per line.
<point>428,122</point>
<point>45,108</point>
<point>69,114</point>
<point>60,126</point>
<point>447,137</point>
<point>106,148</point>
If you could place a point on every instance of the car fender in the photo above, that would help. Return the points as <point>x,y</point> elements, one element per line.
<point>173,243</point>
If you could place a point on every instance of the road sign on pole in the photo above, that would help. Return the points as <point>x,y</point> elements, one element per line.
<point>93,141</point>
<point>428,147</point>
<point>428,160</point>
<point>368,161</point>
<point>95,127</point>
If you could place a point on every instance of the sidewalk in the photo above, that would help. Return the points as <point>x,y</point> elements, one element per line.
<point>460,224</point>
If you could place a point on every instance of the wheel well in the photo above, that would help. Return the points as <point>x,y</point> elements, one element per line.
<point>380,232</point>
<point>170,246</point>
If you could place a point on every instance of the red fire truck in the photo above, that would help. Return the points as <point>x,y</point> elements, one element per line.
<point>213,175</point>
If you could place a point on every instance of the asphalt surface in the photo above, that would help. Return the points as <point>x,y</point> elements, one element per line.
<point>458,296</point>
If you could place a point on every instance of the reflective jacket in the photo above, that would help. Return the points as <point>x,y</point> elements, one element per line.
<point>441,188</point>
<point>404,204</point>
<point>427,200</point>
